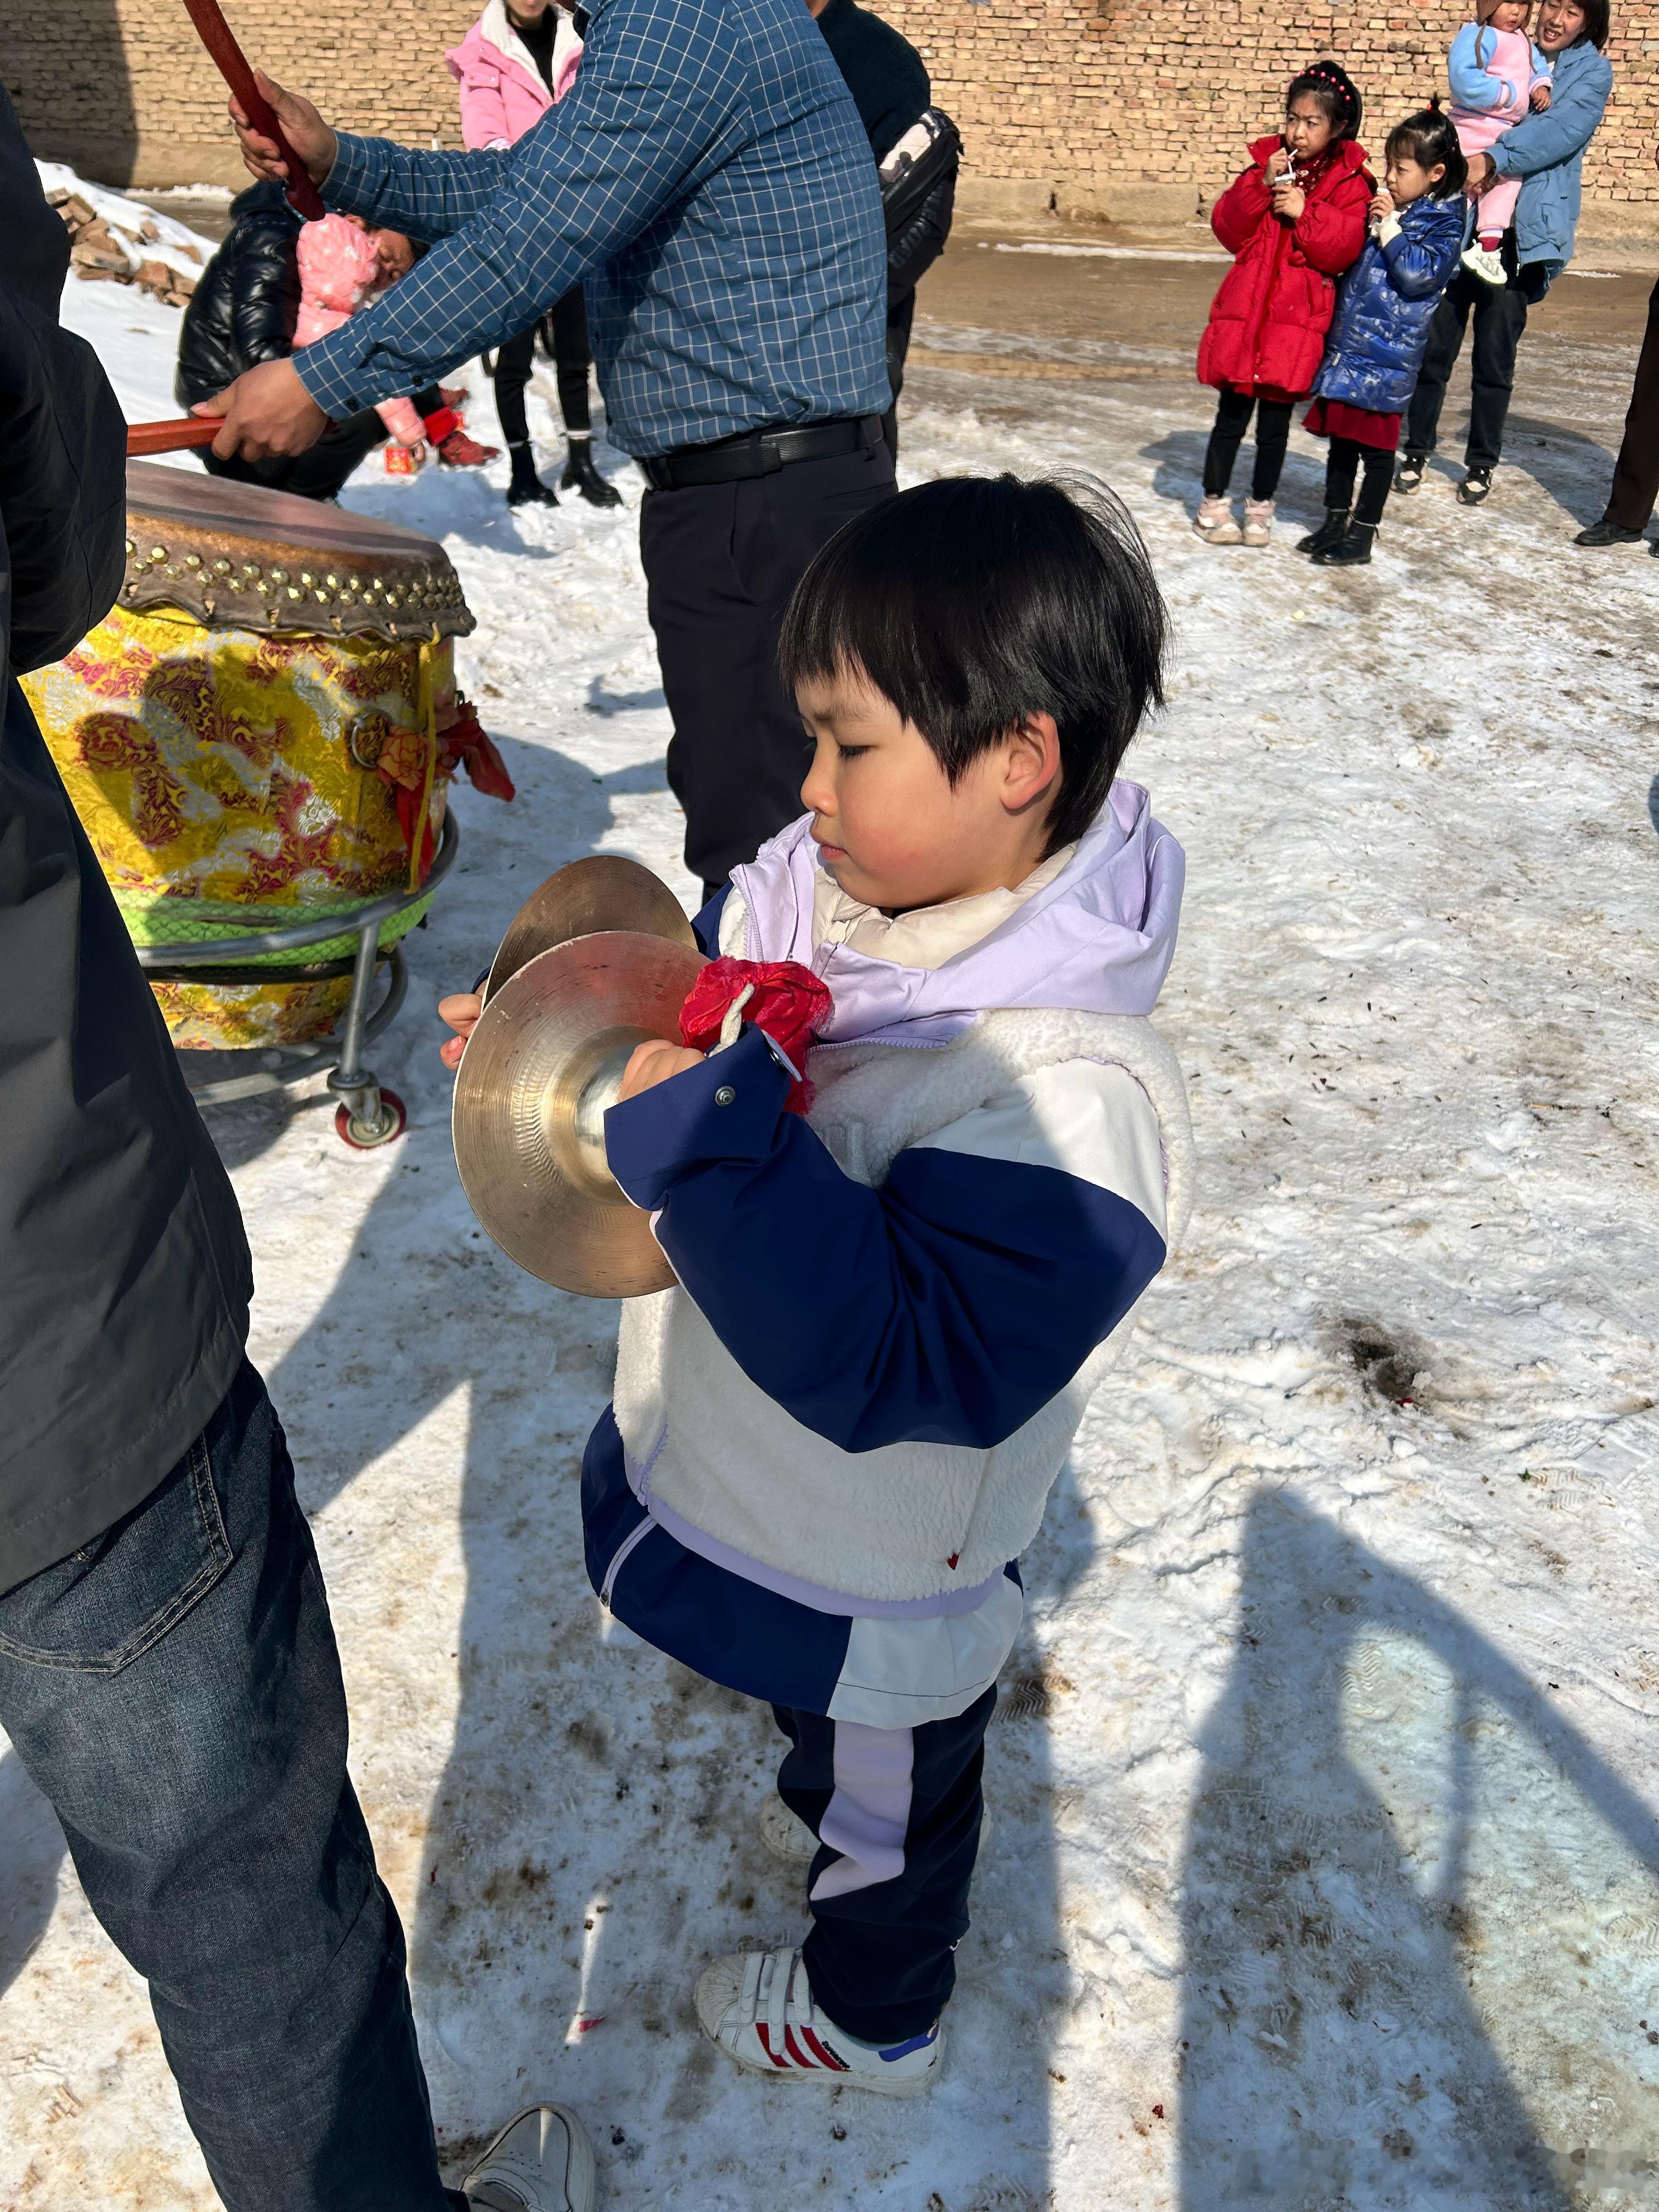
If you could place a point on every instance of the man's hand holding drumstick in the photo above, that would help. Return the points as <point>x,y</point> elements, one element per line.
<point>267,410</point>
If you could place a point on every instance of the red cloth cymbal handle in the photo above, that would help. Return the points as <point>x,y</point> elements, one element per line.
<point>172,437</point>
<point>231,63</point>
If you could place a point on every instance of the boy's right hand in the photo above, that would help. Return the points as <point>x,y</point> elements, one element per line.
<point>461,1011</point>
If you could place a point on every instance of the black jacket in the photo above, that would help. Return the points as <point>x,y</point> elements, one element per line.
<point>124,1272</point>
<point>886,75</point>
<point>247,301</point>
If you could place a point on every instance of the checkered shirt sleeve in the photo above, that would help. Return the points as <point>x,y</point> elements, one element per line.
<point>707,176</point>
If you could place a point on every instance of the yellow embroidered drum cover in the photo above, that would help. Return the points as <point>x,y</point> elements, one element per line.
<point>250,739</point>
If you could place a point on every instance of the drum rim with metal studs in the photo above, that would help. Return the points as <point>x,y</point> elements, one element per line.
<point>602,891</point>
<point>526,1122</point>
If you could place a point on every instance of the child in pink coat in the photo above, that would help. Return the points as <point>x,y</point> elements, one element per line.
<point>342,267</point>
<point>339,271</point>
<point>512,66</point>
<point>1497,77</point>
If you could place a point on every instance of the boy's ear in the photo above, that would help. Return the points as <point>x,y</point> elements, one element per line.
<point>1031,772</point>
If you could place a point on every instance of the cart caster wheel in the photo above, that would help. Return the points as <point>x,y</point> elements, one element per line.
<point>364,1136</point>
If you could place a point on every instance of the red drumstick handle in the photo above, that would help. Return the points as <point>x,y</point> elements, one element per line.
<point>172,437</point>
<point>231,61</point>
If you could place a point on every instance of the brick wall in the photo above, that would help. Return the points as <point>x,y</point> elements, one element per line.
<point>1138,111</point>
<point>1114,108</point>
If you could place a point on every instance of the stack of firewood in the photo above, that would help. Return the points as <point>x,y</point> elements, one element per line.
<point>105,249</point>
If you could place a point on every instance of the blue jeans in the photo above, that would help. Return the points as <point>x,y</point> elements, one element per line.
<point>174,1691</point>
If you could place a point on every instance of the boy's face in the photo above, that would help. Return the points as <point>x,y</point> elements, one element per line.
<point>892,829</point>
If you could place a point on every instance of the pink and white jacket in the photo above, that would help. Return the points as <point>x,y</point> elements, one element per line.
<point>340,272</point>
<point>502,95</point>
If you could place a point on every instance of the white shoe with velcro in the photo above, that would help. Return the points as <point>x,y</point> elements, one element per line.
<point>758,2006</point>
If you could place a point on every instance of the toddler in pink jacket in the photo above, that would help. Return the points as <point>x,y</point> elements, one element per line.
<point>339,273</point>
<point>1497,76</point>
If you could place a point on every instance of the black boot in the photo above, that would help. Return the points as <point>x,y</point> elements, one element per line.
<point>1352,551</point>
<point>526,488</point>
<point>1329,531</point>
<point>580,475</point>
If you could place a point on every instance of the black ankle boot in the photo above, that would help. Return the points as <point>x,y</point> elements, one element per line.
<point>1352,551</point>
<point>526,488</point>
<point>1329,531</point>
<point>580,475</point>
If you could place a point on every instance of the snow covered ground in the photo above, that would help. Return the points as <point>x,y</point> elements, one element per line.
<point>1325,1870</point>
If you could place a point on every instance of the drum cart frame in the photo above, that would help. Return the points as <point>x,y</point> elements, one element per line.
<point>368,1114</point>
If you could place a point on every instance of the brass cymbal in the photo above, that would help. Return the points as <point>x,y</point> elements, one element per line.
<point>604,891</point>
<point>528,1122</point>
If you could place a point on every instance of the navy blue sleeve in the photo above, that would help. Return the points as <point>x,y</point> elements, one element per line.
<point>945,1308</point>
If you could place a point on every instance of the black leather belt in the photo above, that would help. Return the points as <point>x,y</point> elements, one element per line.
<point>759,453</point>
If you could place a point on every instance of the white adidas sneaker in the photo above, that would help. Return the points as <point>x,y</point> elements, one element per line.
<point>787,1836</point>
<point>758,2006</point>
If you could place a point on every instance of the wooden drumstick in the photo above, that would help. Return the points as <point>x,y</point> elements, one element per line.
<point>173,437</point>
<point>231,63</point>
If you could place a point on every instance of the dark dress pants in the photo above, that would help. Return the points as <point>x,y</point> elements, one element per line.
<point>720,563</point>
<point>1636,473</point>
<point>174,1691</point>
<point>1500,317</point>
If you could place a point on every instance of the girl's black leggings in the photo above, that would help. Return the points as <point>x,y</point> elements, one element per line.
<point>1347,455</point>
<point>1273,435</point>
<point>572,356</point>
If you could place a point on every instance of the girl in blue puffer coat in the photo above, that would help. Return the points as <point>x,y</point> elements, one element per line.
<point>1381,329</point>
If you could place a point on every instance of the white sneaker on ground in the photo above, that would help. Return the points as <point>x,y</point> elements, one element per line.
<point>1258,521</point>
<point>758,2006</point>
<point>541,2161</point>
<point>787,1836</point>
<point>1214,520</point>
<point>1480,261</point>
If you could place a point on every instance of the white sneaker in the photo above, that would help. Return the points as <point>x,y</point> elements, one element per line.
<point>1258,521</point>
<point>1482,261</point>
<point>1214,520</point>
<point>541,2161</point>
<point>758,2006</point>
<point>787,1836</point>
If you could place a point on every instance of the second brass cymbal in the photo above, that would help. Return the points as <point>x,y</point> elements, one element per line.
<point>604,891</point>
<point>528,1122</point>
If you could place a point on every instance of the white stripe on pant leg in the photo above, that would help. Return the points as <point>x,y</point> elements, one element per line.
<point>870,1810</point>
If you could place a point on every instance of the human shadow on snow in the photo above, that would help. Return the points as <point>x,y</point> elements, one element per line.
<point>1332,2051</point>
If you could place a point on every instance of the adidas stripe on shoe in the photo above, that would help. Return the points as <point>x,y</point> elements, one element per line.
<point>758,2006</point>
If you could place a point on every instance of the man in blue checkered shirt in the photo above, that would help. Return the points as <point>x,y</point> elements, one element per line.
<point>708,181</point>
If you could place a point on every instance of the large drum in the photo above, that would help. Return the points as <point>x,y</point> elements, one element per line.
<point>252,739</point>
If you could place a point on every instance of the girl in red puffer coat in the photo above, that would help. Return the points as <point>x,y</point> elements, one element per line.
<point>1294,222</point>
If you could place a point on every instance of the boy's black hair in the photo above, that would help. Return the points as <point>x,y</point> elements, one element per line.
<point>974,601</point>
<point>1336,92</point>
<point>1427,138</point>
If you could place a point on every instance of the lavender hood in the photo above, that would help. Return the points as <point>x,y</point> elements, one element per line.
<point>1097,939</point>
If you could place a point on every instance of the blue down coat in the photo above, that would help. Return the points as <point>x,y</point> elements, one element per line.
<point>1380,327</point>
